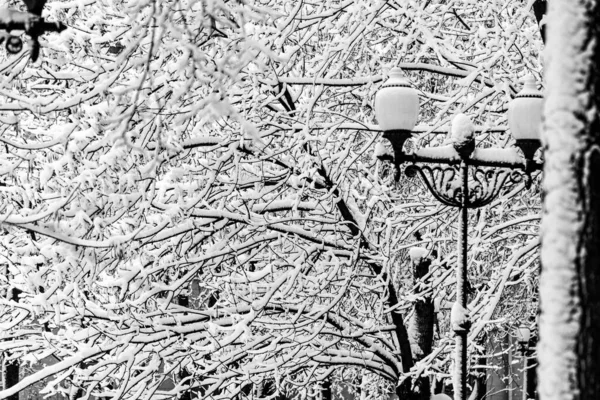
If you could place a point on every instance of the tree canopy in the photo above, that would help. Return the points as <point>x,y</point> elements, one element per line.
<point>190,191</point>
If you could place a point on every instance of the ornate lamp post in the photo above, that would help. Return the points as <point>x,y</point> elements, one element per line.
<point>460,175</point>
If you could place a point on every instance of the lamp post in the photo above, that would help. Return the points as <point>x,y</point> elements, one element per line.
<point>523,334</point>
<point>460,175</point>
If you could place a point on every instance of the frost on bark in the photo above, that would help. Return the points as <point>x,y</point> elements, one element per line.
<point>420,325</point>
<point>569,348</point>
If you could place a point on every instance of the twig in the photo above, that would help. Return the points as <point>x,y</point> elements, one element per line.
<point>461,20</point>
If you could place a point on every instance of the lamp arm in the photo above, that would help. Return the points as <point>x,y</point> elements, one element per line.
<point>45,26</point>
<point>447,155</point>
<point>490,157</point>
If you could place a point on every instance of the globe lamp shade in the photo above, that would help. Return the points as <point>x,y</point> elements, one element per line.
<point>525,117</point>
<point>397,103</point>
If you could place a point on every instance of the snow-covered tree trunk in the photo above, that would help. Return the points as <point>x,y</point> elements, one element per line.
<point>420,326</point>
<point>569,348</point>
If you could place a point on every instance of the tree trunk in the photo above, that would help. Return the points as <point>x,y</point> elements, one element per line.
<point>11,377</point>
<point>420,334</point>
<point>479,377</point>
<point>420,330</point>
<point>11,373</point>
<point>326,393</point>
<point>569,347</point>
<point>539,10</point>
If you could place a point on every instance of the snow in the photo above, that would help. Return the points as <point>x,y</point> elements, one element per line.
<point>282,205</point>
<point>459,316</point>
<point>439,153</point>
<point>10,119</point>
<point>8,16</point>
<point>570,220</point>
<point>497,155</point>
<point>381,150</point>
<point>488,156</point>
<point>417,253</point>
<point>250,227</point>
<point>461,129</point>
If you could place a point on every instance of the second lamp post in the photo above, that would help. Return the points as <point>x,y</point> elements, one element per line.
<point>461,175</point>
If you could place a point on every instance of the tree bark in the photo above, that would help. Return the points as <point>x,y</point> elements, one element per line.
<point>479,377</point>
<point>11,373</point>
<point>421,323</point>
<point>569,347</point>
<point>539,10</point>
<point>420,335</point>
<point>326,393</point>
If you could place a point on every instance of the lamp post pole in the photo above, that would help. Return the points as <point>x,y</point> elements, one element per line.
<point>523,334</point>
<point>524,376</point>
<point>461,279</point>
<point>460,175</point>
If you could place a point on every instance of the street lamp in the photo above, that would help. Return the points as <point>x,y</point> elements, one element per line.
<point>523,334</point>
<point>525,119</point>
<point>397,110</point>
<point>460,175</point>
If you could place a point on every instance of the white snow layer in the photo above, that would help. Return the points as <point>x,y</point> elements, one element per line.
<point>417,253</point>
<point>462,128</point>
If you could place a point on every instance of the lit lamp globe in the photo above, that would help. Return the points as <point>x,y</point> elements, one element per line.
<point>523,334</point>
<point>525,117</point>
<point>397,109</point>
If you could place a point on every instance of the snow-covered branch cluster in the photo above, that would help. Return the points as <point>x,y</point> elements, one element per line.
<point>190,202</point>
